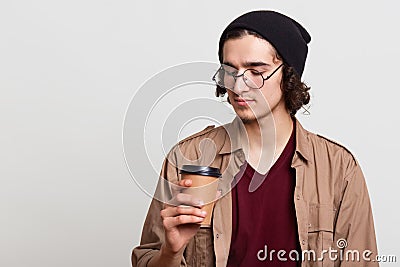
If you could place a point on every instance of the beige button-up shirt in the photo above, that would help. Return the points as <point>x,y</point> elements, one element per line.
<point>331,201</point>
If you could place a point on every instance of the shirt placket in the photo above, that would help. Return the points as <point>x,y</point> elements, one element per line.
<point>222,221</point>
<point>300,204</point>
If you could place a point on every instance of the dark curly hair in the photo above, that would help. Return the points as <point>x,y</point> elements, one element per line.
<point>295,92</point>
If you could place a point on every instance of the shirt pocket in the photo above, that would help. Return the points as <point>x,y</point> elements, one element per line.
<point>320,235</point>
<point>200,250</point>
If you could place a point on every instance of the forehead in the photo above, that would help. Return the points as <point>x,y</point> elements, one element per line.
<point>248,48</point>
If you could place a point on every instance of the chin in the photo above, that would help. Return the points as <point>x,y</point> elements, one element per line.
<point>249,117</point>
<point>246,117</point>
<point>248,120</point>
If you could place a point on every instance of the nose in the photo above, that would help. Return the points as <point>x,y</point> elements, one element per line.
<point>240,86</point>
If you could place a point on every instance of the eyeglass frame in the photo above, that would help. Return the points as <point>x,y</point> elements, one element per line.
<point>242,75</point>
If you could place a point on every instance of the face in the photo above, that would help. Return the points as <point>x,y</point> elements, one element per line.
<point>250,52</point>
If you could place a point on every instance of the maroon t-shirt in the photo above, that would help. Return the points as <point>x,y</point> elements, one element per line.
<point>265,219</point>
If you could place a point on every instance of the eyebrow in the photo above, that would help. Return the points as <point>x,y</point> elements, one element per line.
<point>248,64</point>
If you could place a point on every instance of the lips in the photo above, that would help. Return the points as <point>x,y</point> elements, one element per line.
<point>243,101</point>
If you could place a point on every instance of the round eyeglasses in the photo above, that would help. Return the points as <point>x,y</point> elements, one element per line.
<point>226,77</point>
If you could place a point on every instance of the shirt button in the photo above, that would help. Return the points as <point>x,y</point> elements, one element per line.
<point>309,225</point>
<point>298,197</point>
<point>303,242</point>
<point>217,235</point>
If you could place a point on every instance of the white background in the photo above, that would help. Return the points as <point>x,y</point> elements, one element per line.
<point>68,70</point>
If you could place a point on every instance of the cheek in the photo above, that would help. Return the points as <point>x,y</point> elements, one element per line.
<point>272,93</point>
<point>273,88</point>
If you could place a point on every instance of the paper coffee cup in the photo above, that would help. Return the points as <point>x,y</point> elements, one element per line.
<point>204,186</point>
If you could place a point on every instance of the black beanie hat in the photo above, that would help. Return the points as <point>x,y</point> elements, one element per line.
<point>288,37</point>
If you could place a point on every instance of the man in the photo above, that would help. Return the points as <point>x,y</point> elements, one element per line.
<point>283,190</point>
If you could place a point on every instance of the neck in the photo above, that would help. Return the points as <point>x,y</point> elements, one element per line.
<point>270,133</point>
<point>256,129</point>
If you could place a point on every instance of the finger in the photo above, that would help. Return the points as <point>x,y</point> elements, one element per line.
<point>182,210</point>
<point>176,187</point>
<point>185,182</point>
<point>171,222</point>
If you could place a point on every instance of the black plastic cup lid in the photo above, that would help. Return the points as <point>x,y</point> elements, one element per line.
<point>201,170</point>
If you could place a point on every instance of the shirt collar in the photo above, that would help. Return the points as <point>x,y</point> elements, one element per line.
<point>231,139</point>
<point>231,142</point>
<point>302,142</point>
